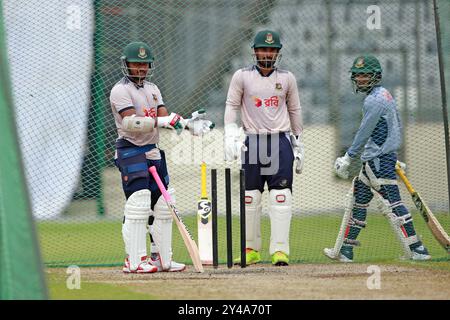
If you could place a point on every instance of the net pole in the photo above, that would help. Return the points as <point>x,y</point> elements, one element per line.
<point>98,90</point>
<point>443,93</point>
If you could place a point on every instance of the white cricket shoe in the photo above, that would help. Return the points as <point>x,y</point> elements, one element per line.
<point>329,252</point>
<point>155,261</point>
<point>143,267</point>
<point>420,254</point>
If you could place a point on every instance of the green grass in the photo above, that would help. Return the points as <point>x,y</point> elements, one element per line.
<point>100,243</point>
<point>58,290</point>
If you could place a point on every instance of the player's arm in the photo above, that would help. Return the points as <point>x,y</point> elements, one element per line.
<point>134,123</point>
<point>234,99</point>
<point>296,120</point>
<point>122,102</point>
<point>372,112</point>
<point>294,107</point>
<point>162,111</point>
<point>232,142</point>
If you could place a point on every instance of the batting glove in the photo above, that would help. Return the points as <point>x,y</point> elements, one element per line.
<point>232,143</point>
<point>172,121</point>
<point>299,152</point>
<point>341,166</point>
<point>197,124</point>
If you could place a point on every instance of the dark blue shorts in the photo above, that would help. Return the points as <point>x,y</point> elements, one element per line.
<point>133,166</point>
<point>269,158</point>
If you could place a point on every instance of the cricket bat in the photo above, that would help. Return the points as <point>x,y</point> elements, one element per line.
<point>436,229</point>
<point>185,234</point>
<point>204,222</point>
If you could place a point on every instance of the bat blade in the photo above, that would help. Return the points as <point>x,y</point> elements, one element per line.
<point>432,222</point>
<point>436,228</point>
<point>189,242</point>
<point>204,222</point>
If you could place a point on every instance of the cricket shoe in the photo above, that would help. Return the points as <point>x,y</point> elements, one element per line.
<point>251,257</point>
<point>280,258</point>
<point>174,266</point>
<point>329,252</point>
<point>420,253</point>
<point>143,267</point>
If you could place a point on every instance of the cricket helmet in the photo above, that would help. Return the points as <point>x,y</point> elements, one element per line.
<point>137,52</point>
<point>367,65</point>
<point>267,39</point>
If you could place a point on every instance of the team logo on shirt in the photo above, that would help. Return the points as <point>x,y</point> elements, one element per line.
<point>155,98</point>
<point>278,86</point>
<point>269,102</point>
<point>387,95</point>
<point>142,54</point>
<point>258,102</point>
<point>269,39</point>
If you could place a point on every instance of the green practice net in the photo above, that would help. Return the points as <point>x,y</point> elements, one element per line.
<point>65,58</point>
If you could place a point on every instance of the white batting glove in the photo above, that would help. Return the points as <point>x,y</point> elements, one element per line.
<point>341,166</point>
<point>299,152</point>
<point>198,125</point>
<point>232,142</point>
<point>172,121</point>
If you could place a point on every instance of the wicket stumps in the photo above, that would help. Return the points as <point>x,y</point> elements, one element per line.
<point>214,217</point>
<point>242,216</point>
<point>229,218</point>
<point>229,228</point>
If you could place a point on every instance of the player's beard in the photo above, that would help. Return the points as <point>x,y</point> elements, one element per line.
<point>138,78</point>
<point>266,64</point>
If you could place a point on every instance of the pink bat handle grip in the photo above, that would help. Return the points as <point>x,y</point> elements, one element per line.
<point>161,187</point>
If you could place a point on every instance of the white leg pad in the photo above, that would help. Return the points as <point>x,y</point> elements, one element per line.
<point>253,209</point>
<point>280,212</point>
<point>134,229</point>
<point>397,225</point>
<point>162,230</point>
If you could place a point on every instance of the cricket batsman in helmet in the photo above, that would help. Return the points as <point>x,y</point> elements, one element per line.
<point>377,140</point>
<point>139,112</point>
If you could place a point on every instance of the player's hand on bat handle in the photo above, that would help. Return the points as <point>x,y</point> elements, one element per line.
<point>341,166</point>
<point>233,144</point>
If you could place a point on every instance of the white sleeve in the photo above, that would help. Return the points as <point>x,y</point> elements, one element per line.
<point>120,99</point>
<point>234,98</point>
<point>159,98</point>
<point>294,107</point>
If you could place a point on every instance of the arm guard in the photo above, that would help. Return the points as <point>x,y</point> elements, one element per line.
<point>138,124</point>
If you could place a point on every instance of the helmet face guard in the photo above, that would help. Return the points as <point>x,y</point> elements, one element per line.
<point>138,79</point>
<point>267,63</point>
<point>372,81</point>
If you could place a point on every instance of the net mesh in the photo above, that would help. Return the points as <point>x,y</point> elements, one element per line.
<point>67,129</point>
